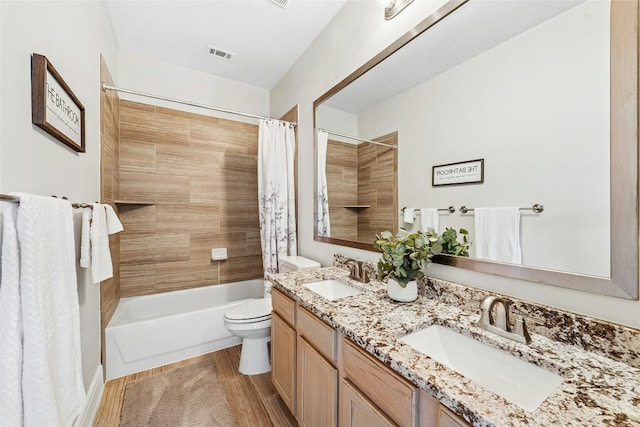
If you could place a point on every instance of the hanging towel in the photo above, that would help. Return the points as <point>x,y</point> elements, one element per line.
<point>97,224</point>
<point>101,266</point>
<point>429,218</point>
<point>409,215</point>
<point>113,222</point>
<point>10,322</point>
<point>52,388</point>
<point>85,239</point>
<point>497,234</point>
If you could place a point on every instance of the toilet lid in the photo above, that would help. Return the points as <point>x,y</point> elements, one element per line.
<point>256,309</point>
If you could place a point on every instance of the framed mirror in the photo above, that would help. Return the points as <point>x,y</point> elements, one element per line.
<point>546,93</point>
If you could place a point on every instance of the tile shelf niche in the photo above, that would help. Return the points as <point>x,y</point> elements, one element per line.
<point>357,206</point>
<point>132,202</point>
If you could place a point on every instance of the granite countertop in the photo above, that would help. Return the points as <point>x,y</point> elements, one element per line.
<point>596,390</point>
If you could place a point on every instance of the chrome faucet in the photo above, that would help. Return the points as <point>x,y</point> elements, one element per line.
<point>357,270</point>
<point>500,324</point>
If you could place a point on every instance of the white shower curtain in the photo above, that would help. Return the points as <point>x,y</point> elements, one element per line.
<point>323,227</point>
<point>276,193</point>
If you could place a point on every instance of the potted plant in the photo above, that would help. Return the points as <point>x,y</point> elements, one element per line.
<point>404,256</point>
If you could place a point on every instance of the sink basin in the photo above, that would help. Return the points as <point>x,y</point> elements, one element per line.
<point>332,289</point>
<point>521,383</point>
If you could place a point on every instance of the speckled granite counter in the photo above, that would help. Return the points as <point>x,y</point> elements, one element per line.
<point>597,390</point>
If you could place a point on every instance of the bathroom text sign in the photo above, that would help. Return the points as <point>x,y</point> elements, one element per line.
<point>54,106</point>
<point>468,172</point>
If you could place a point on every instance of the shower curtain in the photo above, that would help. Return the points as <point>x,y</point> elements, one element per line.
<point>276,193</point>
<point>322,202</point>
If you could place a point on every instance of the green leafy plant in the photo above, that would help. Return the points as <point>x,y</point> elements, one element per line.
<point>405,255</point>
<point>448,243</point>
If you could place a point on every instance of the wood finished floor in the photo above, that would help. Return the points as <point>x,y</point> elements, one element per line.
<point>253,399</point>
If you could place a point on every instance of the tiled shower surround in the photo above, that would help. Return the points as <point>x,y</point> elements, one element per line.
<point>190,183</point>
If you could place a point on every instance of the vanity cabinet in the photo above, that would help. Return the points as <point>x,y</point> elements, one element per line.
<point>283,348</point>
<point>434,414</point>
<point>327,380</point>
<point>386,392</point>
<point>317,388</point>
<point>358,411</point>
<point>303,362</point>
<point>317,373</point>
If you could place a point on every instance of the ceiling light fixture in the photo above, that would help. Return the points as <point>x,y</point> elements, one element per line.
<point>393,7</point>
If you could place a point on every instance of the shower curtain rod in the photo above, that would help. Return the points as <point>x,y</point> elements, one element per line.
<point>393,147</point>
<point>105,86</point>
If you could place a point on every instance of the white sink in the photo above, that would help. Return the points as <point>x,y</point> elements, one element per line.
<point>332,289</point>
<point>522,383</point>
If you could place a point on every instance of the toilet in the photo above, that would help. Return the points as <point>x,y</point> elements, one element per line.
<point>252,321</point>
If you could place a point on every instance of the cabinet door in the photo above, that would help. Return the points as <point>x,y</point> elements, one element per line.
<point>357,411</point>
<point>317,388</point>
<point>283,360</point>
<point>447,418</point>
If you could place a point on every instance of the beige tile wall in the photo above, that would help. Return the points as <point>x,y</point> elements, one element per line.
<point>377,187</point>
<point>194,181</point>
<point>342,186</point>
<point>364,174</point>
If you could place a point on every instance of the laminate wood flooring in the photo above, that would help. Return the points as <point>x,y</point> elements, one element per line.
<point>253,399</point>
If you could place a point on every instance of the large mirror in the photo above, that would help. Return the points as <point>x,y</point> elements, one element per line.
<point>545,93</point>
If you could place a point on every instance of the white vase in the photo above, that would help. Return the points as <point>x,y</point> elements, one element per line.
<point>398,293</point>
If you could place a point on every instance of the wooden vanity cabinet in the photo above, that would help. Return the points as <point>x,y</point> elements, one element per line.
<point>386,391</point>
<point>326,380</point>
<point>358,411</point>
<point>317,372</point>
<point>303,363</point>
<point>434,414</point>
<point>317,388</point>
<point>283,348</point>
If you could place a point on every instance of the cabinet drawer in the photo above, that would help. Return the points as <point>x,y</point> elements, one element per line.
<point>317,333</point>
<point>284,306</point>
<point>394,395</point>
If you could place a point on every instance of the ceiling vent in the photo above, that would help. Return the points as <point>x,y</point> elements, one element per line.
<point>220,53</point>
<point>282,3</point>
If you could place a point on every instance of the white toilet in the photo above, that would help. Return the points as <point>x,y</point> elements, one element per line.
<point>252,321</point>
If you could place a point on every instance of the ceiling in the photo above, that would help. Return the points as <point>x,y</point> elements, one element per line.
<point>265,38</point>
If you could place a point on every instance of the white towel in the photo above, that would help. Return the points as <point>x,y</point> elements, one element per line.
<point>497,234</point>
<point>429,218</point>
<point>97,224</point>
<point>10,323</point>
<point>85,239</point>
<point>409,215</point>
<point>52,389</point>
<point>113,222</point>
<point>101,266</point>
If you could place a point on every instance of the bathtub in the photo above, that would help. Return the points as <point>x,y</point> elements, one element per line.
<point>154,330</point>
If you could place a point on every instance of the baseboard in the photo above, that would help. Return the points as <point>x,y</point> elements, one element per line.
<point>94,395</point>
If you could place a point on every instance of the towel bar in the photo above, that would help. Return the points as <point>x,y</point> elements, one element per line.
<point>537,208</point>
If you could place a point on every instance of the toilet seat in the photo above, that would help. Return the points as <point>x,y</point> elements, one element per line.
<point>250,312</point>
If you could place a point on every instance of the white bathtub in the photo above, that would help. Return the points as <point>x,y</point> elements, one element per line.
<point>154,330</point>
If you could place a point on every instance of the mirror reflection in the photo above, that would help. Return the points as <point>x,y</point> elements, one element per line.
<point>524,86</point>
<point>357,186</point>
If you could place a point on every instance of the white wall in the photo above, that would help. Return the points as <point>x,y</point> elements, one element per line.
<point>356,34</point>
<point>149,75</point>
<point>72,35</point>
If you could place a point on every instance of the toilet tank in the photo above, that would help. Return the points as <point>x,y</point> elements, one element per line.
<point>296,263</point>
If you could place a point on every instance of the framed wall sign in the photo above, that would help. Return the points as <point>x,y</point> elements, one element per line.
<point>54,106</point>
<point>469,172</point>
